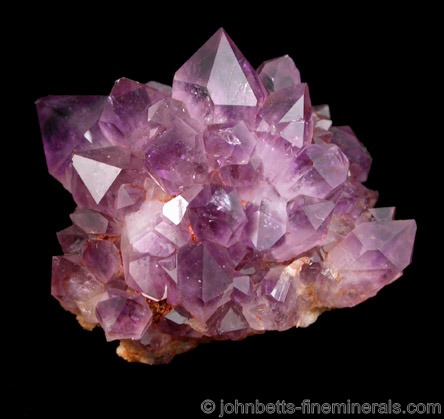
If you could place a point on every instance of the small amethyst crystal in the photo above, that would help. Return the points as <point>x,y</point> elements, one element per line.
<point>221,207</point>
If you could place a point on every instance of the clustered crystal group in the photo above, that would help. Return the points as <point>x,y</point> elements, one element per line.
<point>221,207</point>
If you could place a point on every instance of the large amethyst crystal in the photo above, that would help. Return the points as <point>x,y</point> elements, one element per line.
<point>221,207</point>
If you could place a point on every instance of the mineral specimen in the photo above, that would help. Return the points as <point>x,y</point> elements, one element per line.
<point>221,207</point>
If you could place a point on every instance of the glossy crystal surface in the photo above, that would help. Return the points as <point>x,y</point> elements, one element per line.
<point>220,207</point>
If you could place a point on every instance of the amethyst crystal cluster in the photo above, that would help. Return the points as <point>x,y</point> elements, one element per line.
<point>221,207</point>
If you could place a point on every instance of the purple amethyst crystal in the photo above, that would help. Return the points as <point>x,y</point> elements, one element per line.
<point>221,207</point>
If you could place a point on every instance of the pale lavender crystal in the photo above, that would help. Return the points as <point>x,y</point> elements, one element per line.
<point>217,208</point>
<point>175,159</point>
<point>288,112</point>
<point>267,218</point>
<point>123,315</point>
<point>124,118</point>
<point>228,322</point>
<point>227,145</point>
<point>146,275</point>
<point>317,171</point>
<point>371,256</point>
<point>357,154</point>
<point>101,257</point>
<point>218,84</point>
<point>216,215</point>
<point>177,323</point>
<point>71,239</point>
<point>205,273</point>
<point>279,73</point>
<point>307,226</point>
<point>64,120</point>
<point>89,221</point>
<point>75,286</point>
<point>322,124</point>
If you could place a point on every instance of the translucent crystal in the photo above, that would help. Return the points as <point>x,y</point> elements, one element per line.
<point>223,206</point>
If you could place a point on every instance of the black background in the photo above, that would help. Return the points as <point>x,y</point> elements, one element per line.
<point>373,66</point>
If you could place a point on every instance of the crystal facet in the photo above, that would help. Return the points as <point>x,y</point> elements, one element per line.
<point>279,73</point>
<point>220,207</point>
<point>218,84</point>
